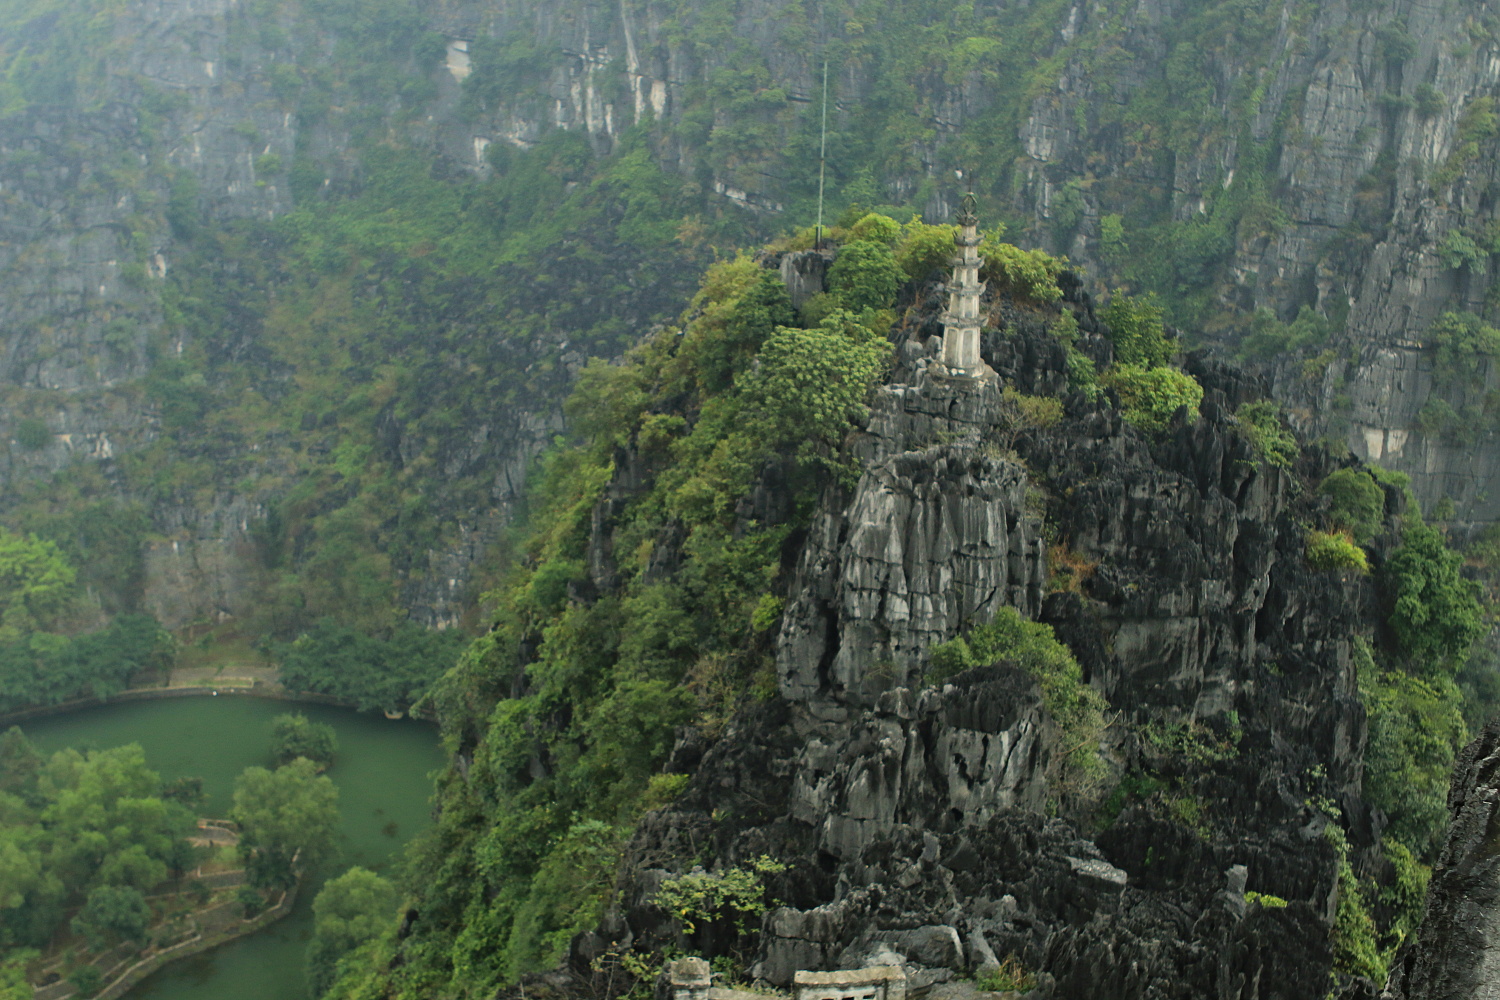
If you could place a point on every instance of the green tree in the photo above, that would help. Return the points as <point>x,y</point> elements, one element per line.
<point>865,275</point>
<point>353,909</point>
<point>1416,727</point>
<point>87,978</point>
<point>1435,611</point>
<point>1356,502</point>
<point>287,819</point>
<point>111,915</point>
<point>1260,423</point>
<point>13,982</point>
<point>1135,328</point>
<point>110,825</point>
<point>924,251</point>
<point>36,584</point>
<point>293,736</point>
<point>20,763</point>
<point>1152,396</point>
<point>810,384</point>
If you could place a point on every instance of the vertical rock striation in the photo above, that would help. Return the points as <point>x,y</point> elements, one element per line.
<point>914,816</point>
<point>1455,955</point>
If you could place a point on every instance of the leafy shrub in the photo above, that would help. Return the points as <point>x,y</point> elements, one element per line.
<point>810,384</point>
<point>1077,708</point>
<point>1335,550</point>
<point>1030,274</point>
<point>1260,423</point>
<point>733,895</point>
<point>1355,948</point>
<point>1430,100</point>
<point>1112,236</point>
<point>293,736</point>
<point>389,672</point>
<point>1023,412</point>
<point>1265,900</point>
<point>87,978</point>
<point>735,323</point>
<point>924,250</point>
<point>32,434</point>
<point>1135,328</point>
<point>1151,397</point>
<point>113,914</point>
<point>1477,124</point>
<point>877,227</point>
<point>1463,343</point>
<point>267,164</point>
<point>1407,892</point>
<point>1436,613</point>
<point>1415,729</point>
<point>1270,338</point>
<point>865,275</point>
<point>1357,502</point>
<point>1459,250</point>
<point>1009,976</point>
<point>350,910</point>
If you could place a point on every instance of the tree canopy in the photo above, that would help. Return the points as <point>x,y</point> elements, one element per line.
<point>79,823</point>
<point>287,818</point>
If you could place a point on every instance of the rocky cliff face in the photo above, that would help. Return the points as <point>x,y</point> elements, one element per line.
<point>1330,155</point>
<point>1456,954</point>
<point>933,820</point>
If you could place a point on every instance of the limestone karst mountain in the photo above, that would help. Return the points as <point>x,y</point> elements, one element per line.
<point>500,190</point>
<point>295,292</point>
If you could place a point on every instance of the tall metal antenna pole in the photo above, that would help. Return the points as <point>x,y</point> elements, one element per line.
<point>822,158</point>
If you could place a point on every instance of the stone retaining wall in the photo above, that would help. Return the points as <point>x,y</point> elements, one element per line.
<point>217,930</point>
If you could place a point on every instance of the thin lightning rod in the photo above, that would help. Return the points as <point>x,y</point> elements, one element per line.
<point>822,159</point>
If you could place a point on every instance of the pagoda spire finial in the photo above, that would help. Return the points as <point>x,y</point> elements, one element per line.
<point>961,325</point>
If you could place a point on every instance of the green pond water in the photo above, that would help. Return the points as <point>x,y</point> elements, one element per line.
<point>384,790</point>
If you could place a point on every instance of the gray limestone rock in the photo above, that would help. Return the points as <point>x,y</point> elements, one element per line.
<point>1455,955</point>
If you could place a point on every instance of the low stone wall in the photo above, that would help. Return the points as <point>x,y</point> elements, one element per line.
<point>216,930</point>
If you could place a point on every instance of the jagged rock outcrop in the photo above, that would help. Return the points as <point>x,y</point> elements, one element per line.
<point>913,817</point>
<point>1455,955</point>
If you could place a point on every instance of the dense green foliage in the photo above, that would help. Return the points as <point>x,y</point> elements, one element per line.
<point>1077,708</point>
<point>287,821</point>
<point>1415,729</point>
<point>1025,274</point>
<point>592,686</point>
<point>1261,424</point>
<point>1435,611</point>
<point>350,911</point>
<point>293,736</point>
<point>45,658</point>
<point>76,829</point>
<point>1135,328</point>
<point>368,671</point>
<point>1356,502</point>
<point>48,669</point>
<point>734,896</point>
<point>1335,550</point>
<point>865,275</point>
<point>1152,396</point>
<point>112,914</point>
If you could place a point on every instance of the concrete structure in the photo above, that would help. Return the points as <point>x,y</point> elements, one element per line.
<point>690,979</point>
<point>877,982</point>
<point>961,322</point>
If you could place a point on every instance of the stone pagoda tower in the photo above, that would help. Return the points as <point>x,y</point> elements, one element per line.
<point>961,322</point>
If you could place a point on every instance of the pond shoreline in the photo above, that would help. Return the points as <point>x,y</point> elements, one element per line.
<point>382,774</point>
<point>197,945</point>
<point>255,689</point>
